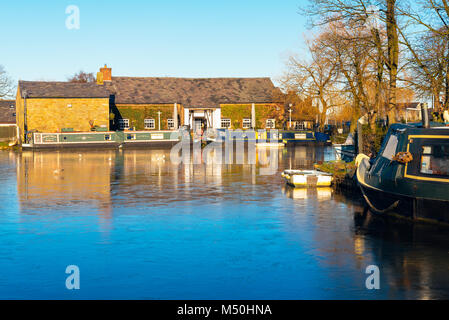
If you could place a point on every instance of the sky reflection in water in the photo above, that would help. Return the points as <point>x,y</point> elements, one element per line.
<point>139,226</point>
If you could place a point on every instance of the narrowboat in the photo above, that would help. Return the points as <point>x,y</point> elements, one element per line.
<point>410,175</point>
<point>305,138</point>
<point>260,137</point>
<point>346,151</point>
<point>106,139</point>
<point>271,137</point>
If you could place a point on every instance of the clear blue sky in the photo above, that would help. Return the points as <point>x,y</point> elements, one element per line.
<point>232,38</point>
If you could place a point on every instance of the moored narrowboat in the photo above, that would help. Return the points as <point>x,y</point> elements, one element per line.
<point>269,137</point>
<point>410,175</point>
<point>106,139</point>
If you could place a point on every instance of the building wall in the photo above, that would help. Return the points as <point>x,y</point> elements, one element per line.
<point>138,113</point>
<point>19,114</point>
<point>237,112</point>
<point>52,115</point>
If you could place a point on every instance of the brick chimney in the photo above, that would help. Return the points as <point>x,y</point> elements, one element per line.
<point>107,73</point>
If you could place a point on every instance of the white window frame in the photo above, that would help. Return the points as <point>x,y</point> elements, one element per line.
<point>147,123</point>
<point>171,124</point>
<point>246,123</point>
<point>272,124</point>
<point>228,122</point>
<point>123,124</point>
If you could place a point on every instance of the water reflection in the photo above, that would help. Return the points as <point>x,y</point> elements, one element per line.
<point>316,194</point>
<point>159,221</point>
<point>414,256</point>
<point>48,179</point>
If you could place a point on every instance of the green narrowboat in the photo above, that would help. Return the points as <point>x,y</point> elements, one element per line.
<point>107,139</point>
<point>410,175</point>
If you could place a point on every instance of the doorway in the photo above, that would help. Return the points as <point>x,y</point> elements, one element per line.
<point>199,124</point>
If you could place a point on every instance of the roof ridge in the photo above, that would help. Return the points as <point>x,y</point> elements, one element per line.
<point>44,81</point>
<point>192,78</point>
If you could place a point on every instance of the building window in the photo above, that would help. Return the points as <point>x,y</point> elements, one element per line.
<point>13,114</point>
<point>226,123</point>
<point>246,123</point>
<point>123,124</point>
<point>270,124</point>
<point>149,124</point>
<point>171,124</point>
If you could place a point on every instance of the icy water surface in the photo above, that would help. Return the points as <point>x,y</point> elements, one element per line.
<point>140,227</point>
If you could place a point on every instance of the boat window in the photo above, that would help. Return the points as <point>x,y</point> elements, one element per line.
<point>390,149</point>
<point>435,160</point>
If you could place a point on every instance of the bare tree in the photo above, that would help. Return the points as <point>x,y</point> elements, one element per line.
<point>314,78</point>
<point>360,67</point>
<point>429,70</point>
<point>359,12</point>
<point>6,84</point>
<point>82,77</point>
<point>427,43</point>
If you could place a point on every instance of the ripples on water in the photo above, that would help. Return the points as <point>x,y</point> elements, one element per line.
<point>139,226</point>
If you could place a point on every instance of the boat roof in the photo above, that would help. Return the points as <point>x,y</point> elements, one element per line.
<point>436,128</point>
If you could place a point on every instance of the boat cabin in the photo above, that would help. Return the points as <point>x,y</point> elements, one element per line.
<point>410,175</point>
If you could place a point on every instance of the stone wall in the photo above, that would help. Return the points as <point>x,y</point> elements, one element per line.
<point>52,115</point>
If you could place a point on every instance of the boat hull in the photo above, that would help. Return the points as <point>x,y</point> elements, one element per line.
<point>420,209</point>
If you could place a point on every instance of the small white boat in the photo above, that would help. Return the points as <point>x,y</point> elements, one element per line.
<point>307,178</point>
<point>270,144</point>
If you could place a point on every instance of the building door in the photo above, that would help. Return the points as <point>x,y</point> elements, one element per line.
<point>198,124</point>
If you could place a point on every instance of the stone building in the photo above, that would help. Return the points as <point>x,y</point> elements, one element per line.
<point>61,106</point>
<point>7,111</point>
<point>149,103</point>
<point>8,131</point>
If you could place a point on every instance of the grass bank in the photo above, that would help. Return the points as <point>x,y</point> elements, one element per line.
<point>343,173</point>
<point>5,146</point>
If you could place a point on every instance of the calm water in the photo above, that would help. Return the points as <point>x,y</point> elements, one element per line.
<point>139,226</point>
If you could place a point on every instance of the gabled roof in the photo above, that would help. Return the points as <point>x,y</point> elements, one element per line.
<point>409,105</point>
<point>45,89</point>
<point>191,92</point>
<point>7,110</point>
